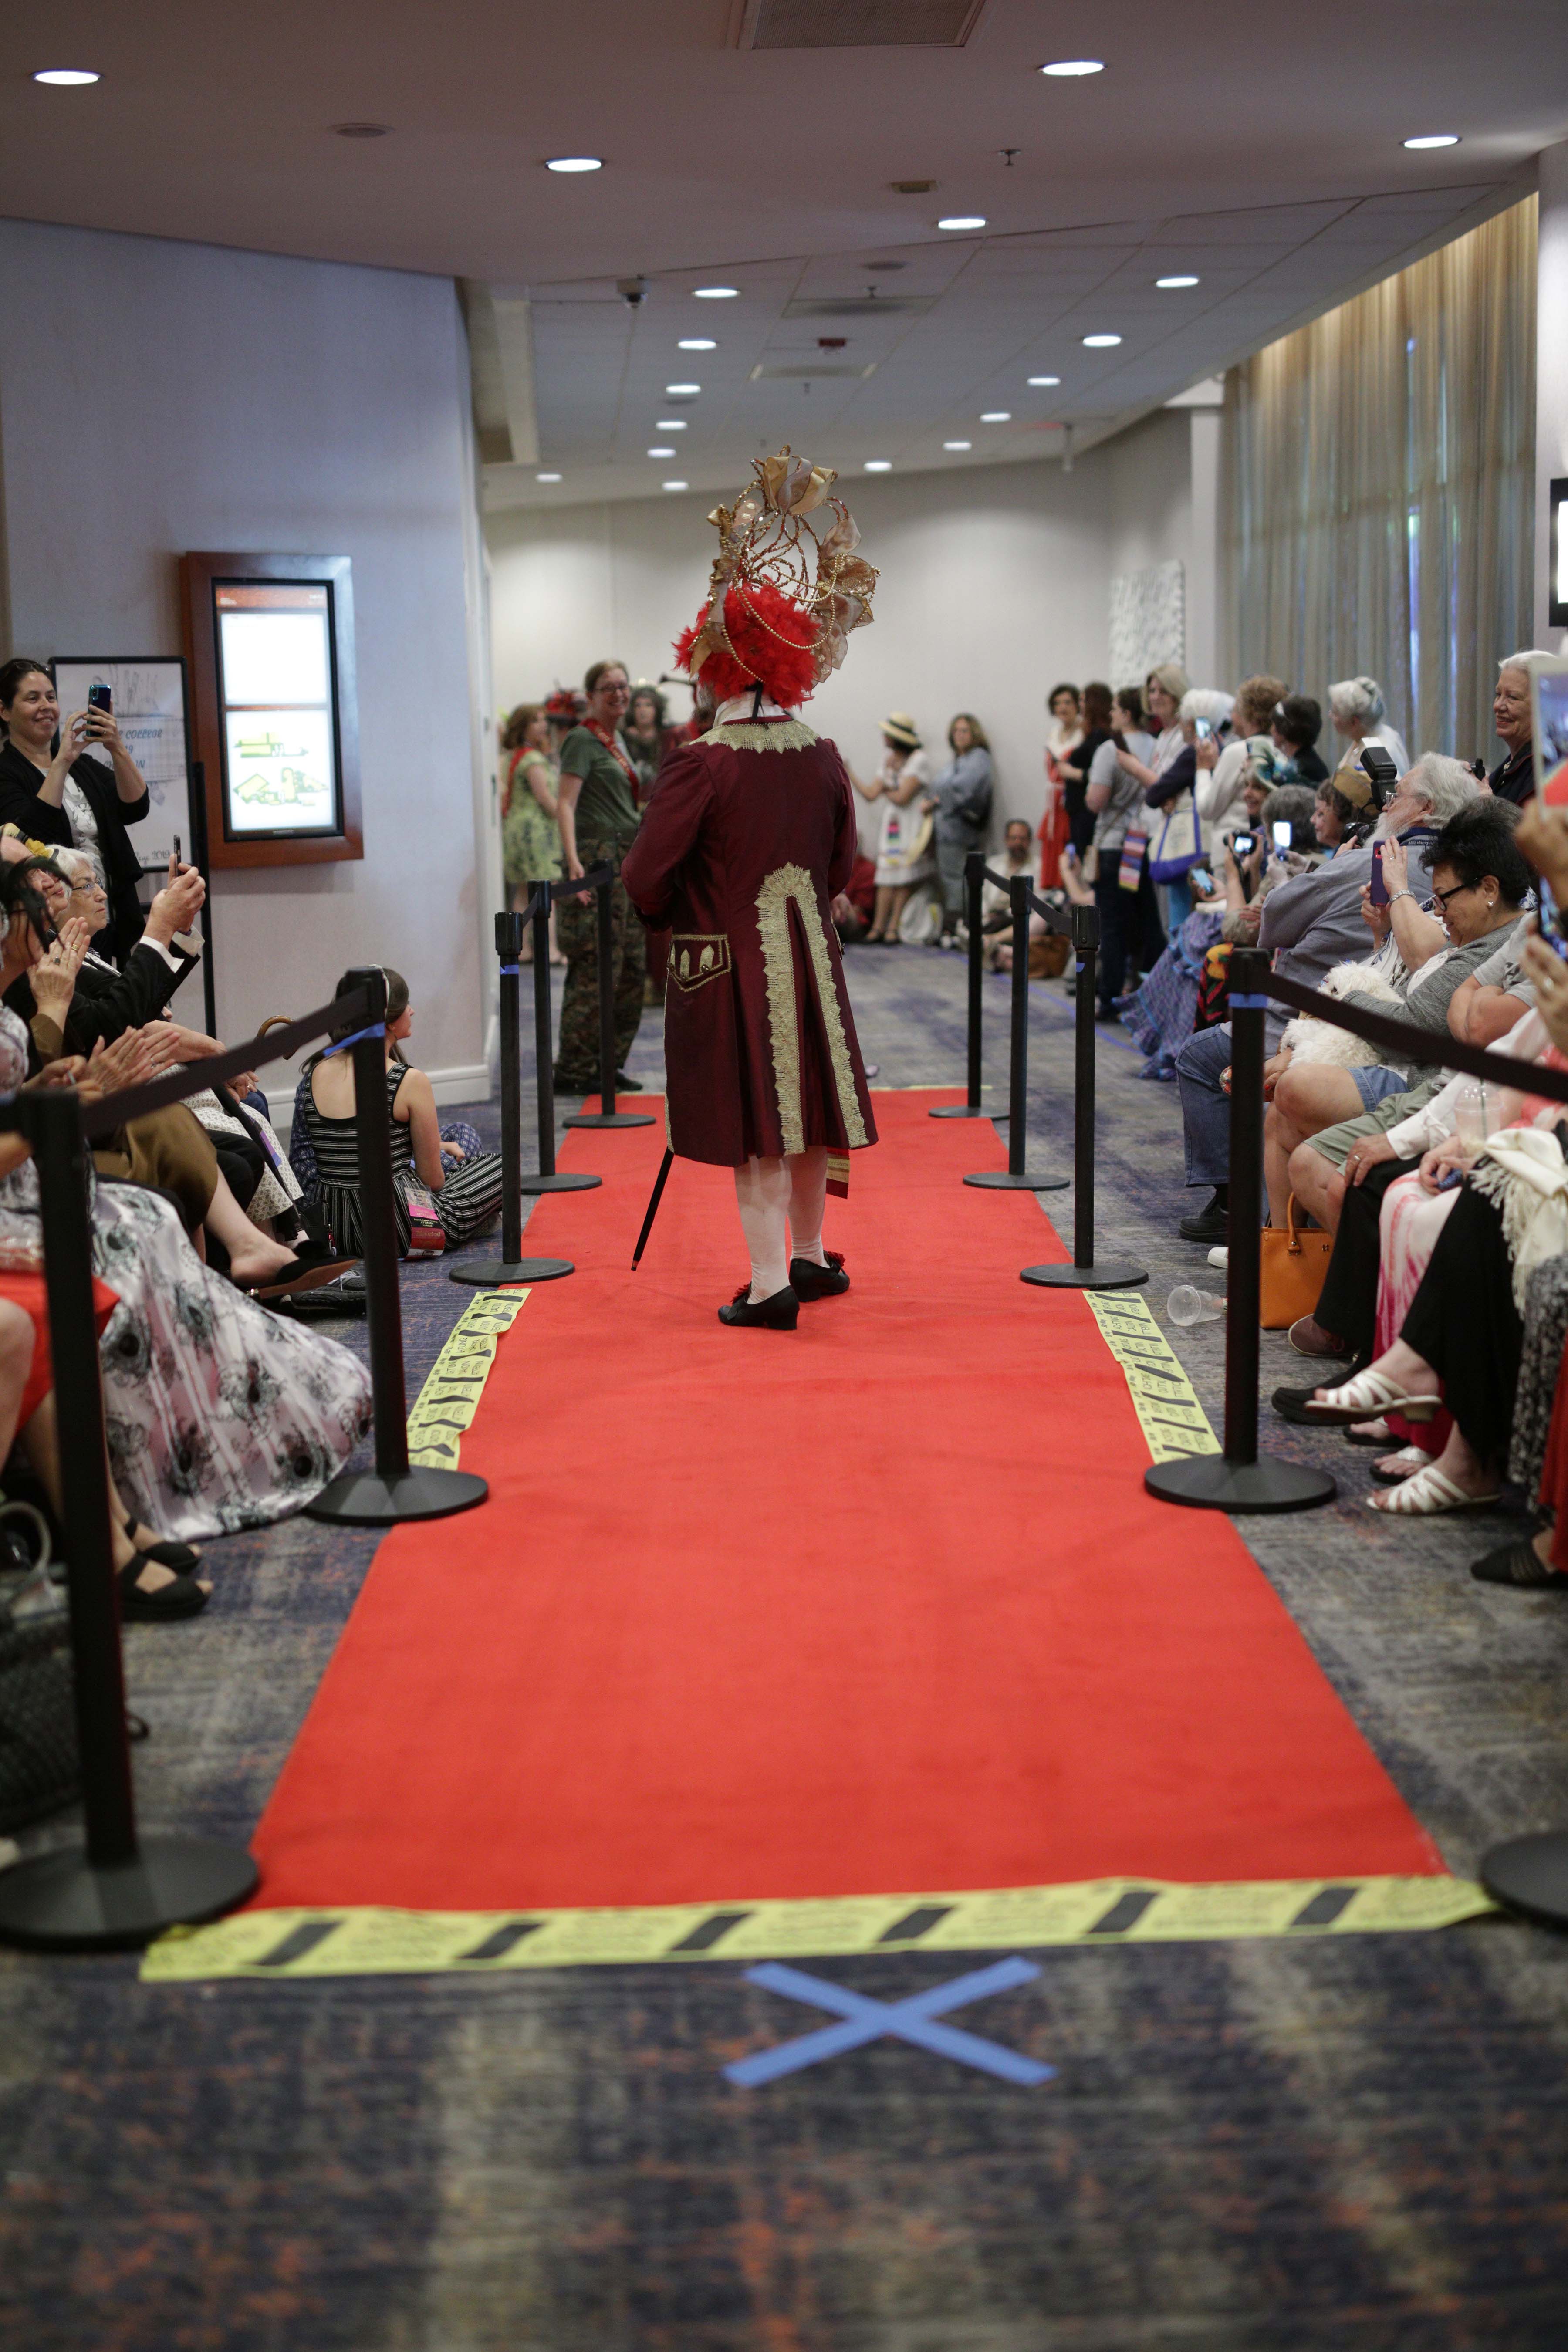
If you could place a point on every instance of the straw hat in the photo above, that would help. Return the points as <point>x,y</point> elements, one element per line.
<point>901,729</point>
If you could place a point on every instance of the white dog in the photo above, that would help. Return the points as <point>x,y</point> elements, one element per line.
<point>1312,1040</point>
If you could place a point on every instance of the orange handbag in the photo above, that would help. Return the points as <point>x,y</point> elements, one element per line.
<point>1291,1274</point>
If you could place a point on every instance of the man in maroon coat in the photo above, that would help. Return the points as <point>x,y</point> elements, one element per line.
<point>748,839</point>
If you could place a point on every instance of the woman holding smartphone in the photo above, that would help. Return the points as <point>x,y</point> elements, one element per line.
<point>55,792</point>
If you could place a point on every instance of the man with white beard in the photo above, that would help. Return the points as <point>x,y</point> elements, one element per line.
<point>1309,924</point>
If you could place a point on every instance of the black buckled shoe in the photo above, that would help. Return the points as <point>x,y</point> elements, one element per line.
<point>808,1280</point>
<point>779,1313</point>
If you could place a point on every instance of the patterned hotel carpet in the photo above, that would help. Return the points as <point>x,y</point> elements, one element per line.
<point>1247,2148</point>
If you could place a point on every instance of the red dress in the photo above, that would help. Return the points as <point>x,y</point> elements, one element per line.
<point>27,1291</point>
<point>740,852</point>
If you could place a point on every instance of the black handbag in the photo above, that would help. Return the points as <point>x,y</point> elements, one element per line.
<point>39,1770</point>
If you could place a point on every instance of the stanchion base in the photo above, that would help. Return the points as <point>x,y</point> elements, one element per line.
<point>609,1119</point>
<point>1527,1874</point>
<point>1111,1273</point>
<point>1002,1179</point>
<point>363,1498</point>
<point>60,1902</point>
<point>1209,1483</point>
<point>489,1273</point>
<point>962,1110</point>
<point>571,1180</point>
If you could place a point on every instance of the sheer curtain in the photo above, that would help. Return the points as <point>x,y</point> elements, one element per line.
<point>1377,490</point>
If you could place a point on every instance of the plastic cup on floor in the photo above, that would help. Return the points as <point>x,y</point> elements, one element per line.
<point>1186,1306</point>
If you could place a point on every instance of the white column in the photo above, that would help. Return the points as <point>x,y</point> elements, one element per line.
<point>1552,372</point>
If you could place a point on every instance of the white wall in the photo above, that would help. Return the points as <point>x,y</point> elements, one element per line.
<point>165,396</point>
<point>1552,376</point>
<point>994,584</point>
<point>1163,496</point>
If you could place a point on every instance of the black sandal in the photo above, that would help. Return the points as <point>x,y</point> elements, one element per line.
<point>1519,1565</point>
<point>166,1552</point>
<point>182,1598</point>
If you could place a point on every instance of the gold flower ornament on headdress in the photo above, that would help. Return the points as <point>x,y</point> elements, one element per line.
<point>764,537</point>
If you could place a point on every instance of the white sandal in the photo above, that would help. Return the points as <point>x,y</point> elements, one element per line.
<point>1369,1395</point>
<point>1424,1494</point>
<point>1392,1469</point>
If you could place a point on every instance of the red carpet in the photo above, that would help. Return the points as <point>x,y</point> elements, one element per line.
<point>881,1607</point>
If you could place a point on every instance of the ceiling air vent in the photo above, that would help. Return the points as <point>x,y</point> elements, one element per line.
<point>858,306</point>
<point>806,371</point>
<point>857,23</point>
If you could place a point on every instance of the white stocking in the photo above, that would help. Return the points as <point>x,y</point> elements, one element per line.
<point>762,1197</point>
<point>807,1197</point>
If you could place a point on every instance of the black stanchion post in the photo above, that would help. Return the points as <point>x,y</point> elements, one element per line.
<point>1114,1274</point>
<point>512,1266</point>
<point>1527,1874</point>
<point>1236,1480</point>
<point>973,884</point>
<point>607,1115</point>
<point>393,1490</point>
<point>549,1179</point>
<point>1015,1177</point>
<point>119,1890</point>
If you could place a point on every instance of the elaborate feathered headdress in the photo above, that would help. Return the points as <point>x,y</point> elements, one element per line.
<point>782,598</point>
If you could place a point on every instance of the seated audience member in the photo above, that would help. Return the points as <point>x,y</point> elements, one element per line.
<point>1309,923</point>
<point>1333,819</point>
<point>1222,767</point>
<point>1513,778</point>
<point>220,1415</point>
<point>901,863</point>
<point>68,799</point>
<point>1358,710</point>
<point>1132,936</point>
<point>445,1173</point>
<point>1296,723</point>
<point>996,905</point>
<point>1479,880</point>
<point>107,1003</point>
<point>1074,766</point>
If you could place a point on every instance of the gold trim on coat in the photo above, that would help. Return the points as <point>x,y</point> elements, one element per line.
<point>787,882</point>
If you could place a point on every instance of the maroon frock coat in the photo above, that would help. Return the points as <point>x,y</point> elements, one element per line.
<point>739,853</point>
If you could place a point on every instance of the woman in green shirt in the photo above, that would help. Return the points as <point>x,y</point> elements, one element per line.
<point>597,813</point>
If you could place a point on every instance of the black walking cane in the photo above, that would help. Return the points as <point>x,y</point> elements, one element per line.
<point>973,879</point>
<point>607,1115</point>
<point>486,1272</point>
<point>1236,1480</point>
<point>119,1889</point>
<point>1014,1177</point>
<point>659,1181</point>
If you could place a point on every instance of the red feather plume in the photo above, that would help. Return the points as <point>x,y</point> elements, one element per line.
<point>775,643</point>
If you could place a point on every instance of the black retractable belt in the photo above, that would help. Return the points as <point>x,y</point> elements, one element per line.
<point>1015,1177</point>
<point>1083,1274</point>
<point>607,1115</point>
<point>1236,1480</point>
<point>973,882</point>
<point>393,1490</point>
<point>512,1266</point>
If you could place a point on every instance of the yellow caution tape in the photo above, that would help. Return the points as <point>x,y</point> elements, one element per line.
<point>340,1940</point>
<point>449,1399</point>
<point>1173,1422</point>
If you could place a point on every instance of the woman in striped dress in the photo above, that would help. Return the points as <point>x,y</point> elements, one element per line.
<point>432,1168</point>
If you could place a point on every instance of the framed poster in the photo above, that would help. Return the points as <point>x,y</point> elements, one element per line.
<point>271,643</point>
<point>1557,584</point>
<point>149,705</point>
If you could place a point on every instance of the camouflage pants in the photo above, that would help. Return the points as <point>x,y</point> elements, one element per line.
<point>577,930</point>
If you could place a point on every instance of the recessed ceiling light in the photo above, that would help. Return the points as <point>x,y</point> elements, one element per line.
<point>683,391</point>
<point>670,424</point>
<point>963,220</point>
<point>1069,68</point>
<point>879,464</point>
<point>697,343</point>
<point>1101,342</point>
<point>65,77</point>
<point>996,416</point>
<point>661,453</point>
<point>1435,139</point>
<point>715,293</point>
<point>1169,285</point>
<point>547,477</point>
<point>675,486</point>
<point>958,445</point>
<point>1043,380</point>
<point>574,163</point>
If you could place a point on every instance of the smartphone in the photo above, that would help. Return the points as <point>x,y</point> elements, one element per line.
<point>176,849</point>
<point>1243,845</point>
<point>1200,878</point>
<point>1281,831</point>
<point>99,697</point>
<point>1204,729</point>
<point>1379,886</point>
<point>1549,916</point>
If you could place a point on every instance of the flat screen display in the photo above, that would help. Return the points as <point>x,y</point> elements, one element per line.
<point>277,708</point>
<point>1549,696</point>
